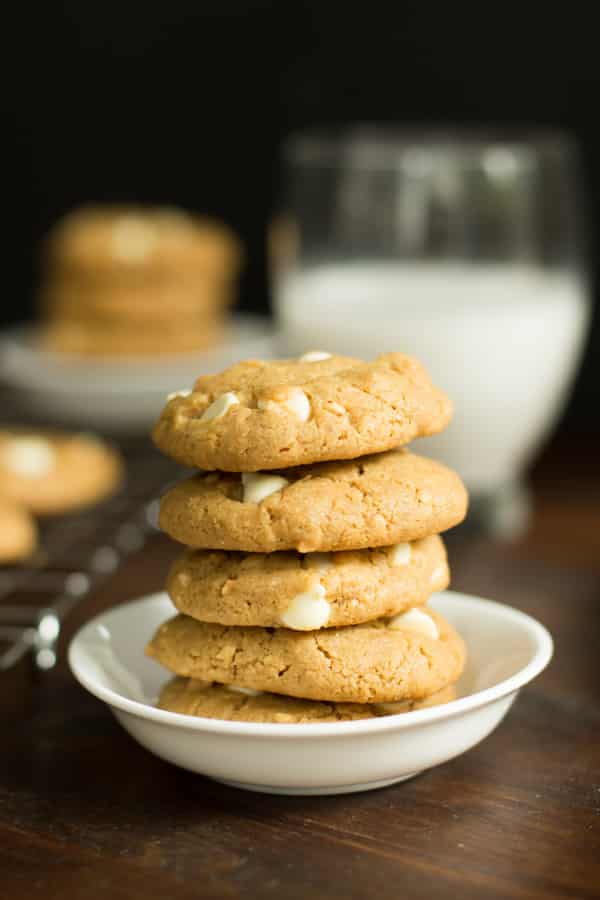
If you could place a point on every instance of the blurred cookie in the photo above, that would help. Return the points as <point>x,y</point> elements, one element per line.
<point>131,281</point>
<point>83,340</point>
<point>140,241</point>
<point>271,415</point>
<point>18,532</point>
<point>52,472</point>
<point>407,657</point>
<point>317,590</point>
<point>375,501</point>
<point>168,305</point>
<point>191,697</point>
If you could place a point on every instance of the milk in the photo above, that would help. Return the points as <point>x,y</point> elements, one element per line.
<point>503,341</point>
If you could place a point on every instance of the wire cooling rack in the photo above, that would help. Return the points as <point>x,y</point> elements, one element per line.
<point>77,553</point>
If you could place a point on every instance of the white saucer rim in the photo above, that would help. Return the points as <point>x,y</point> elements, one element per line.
<point>19,339</point>
<point>54,374</point>
<point>540,659</point>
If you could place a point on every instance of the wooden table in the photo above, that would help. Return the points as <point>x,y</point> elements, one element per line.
<point>86,813</point>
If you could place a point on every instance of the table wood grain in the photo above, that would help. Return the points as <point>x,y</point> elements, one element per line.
<point>86,813</point>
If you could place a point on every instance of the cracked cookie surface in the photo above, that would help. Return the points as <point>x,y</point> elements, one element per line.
<point>191,697</point>
<point>295,412</point>
<point>369,663</point>
<point>371,502</point>
<point>286,588</point>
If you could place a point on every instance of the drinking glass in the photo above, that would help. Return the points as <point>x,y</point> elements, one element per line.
<point>463,249</point>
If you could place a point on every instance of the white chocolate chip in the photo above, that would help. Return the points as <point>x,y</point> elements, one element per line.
<point>417,621</point>
<point>291,398</point>
<point>30,456</point>
<point>319,561</point>
<point>314,356</point>
<point>219,407</point>
<point>257,486</point>
<point>425,497</point>
<point>299,404</point>
<point>183,393</point>
<point>308,610</point>
<point>399,554</point>
<point>438,574</point>
<point>250,692</point>
<point>132,239</point>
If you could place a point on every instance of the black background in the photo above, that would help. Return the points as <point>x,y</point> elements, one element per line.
<point>186,103</point>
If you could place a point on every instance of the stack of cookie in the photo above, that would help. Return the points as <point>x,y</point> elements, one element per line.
<point>313,543</point>
<point>136,281</point>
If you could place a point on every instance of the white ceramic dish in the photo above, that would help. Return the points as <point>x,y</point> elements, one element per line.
<point>121,393</point>
<point>506,650</point>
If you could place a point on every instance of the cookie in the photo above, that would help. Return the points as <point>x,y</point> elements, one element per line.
<point>51,472</point>
<point>18,533</point>
<point>136,281</point>
<point>190,697</point>
<point>303,593</point>
<point>272,415</point>
<point>407,657</point>
<point>81,339</point>
<point>376,501</point>
<point>168,304</point>
<point>132,242</point>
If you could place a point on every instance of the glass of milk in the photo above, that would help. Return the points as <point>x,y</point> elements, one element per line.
<point>461,249</point>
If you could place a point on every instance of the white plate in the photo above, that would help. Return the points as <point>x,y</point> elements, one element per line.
<point>120,393</point>
<point>506,649</point>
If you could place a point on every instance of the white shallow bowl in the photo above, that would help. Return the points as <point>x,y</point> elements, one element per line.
<point>506,649</point>
<point>118,393</point>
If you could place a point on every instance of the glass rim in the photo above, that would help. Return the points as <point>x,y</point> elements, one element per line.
<point>383,146</point>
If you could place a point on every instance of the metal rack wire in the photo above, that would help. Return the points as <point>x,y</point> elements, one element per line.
<point>78,552</point>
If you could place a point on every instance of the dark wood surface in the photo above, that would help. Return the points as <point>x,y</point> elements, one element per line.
<point>86,813</point>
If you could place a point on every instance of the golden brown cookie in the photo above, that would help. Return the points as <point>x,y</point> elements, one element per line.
<point>303,593</point>
<point>18,532</point>
<point>136,281</point>
<point>52,472</point>
<point>272,415</point>
<point>191,697</point>
<point>82,339</point>
<point>371,502</point>
<point>139,241</point>
<point>407,657</point>
<point>170,303</point>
